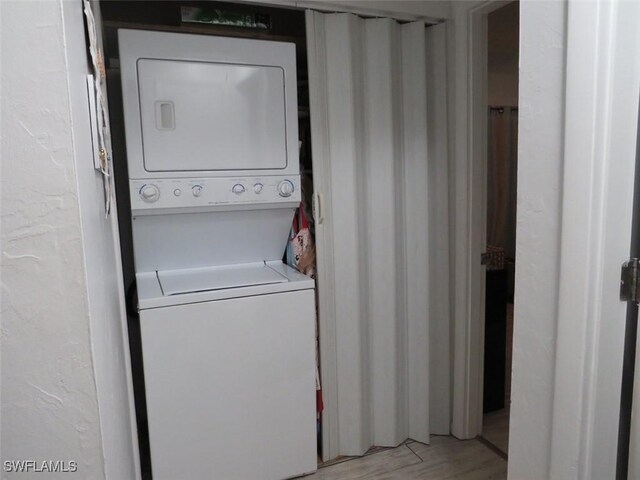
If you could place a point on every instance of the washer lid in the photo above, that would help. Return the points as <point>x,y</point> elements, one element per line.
<point>191,280</point>
<point>150,295</point>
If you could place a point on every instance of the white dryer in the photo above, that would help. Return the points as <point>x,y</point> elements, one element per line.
<point>228,330</point>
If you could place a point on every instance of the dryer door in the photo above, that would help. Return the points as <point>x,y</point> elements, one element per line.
<point>202,116</point>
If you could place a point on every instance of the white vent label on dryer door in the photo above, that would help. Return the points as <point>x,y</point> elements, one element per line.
<point>165,115</point>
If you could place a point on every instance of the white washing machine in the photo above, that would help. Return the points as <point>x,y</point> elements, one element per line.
<point>228,330</point>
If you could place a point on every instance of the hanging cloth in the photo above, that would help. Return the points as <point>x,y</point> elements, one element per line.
<point>301,255</point>
<point>301,252</point>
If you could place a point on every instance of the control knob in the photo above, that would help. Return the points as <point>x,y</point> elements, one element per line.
<point>149,193</point>
<point>238,188</point>
<point>285,188</point>
<point>196,190</point>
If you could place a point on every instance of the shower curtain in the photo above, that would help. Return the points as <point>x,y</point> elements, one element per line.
<point>502,162</point>
<point>378,114</point>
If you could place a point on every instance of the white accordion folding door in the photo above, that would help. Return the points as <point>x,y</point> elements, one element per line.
<point>378,113</point>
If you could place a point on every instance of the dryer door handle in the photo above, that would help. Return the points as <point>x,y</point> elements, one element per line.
<point>165,115</point>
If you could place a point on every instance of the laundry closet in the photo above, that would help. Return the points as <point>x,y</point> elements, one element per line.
<point>284,297</point>
<point>222,328</point>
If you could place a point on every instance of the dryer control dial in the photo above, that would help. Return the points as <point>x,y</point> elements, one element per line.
<point>238,188</point>
<point>285,188</point>
<point>149,193</point>
<point>196,190</point>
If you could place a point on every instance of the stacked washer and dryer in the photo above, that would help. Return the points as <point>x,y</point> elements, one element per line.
<point>228,330</point>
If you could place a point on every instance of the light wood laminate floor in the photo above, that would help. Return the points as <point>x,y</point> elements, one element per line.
<point>444,458</point>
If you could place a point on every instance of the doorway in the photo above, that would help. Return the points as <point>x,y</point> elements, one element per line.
<point>500,256</point>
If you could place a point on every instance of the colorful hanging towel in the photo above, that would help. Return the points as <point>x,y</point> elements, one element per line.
<point>301,252</point>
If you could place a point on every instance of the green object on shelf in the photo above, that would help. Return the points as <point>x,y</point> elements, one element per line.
<point>223,17</point>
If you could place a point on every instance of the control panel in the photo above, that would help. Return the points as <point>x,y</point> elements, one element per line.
<point>215,191</point>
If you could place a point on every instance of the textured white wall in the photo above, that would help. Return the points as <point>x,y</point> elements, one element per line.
<point>107,316</point>
<point>49,407</point>
<point>49,402</point>
<point>540,166</point>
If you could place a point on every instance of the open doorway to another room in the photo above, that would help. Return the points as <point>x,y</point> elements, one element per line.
<point>500,257</point>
